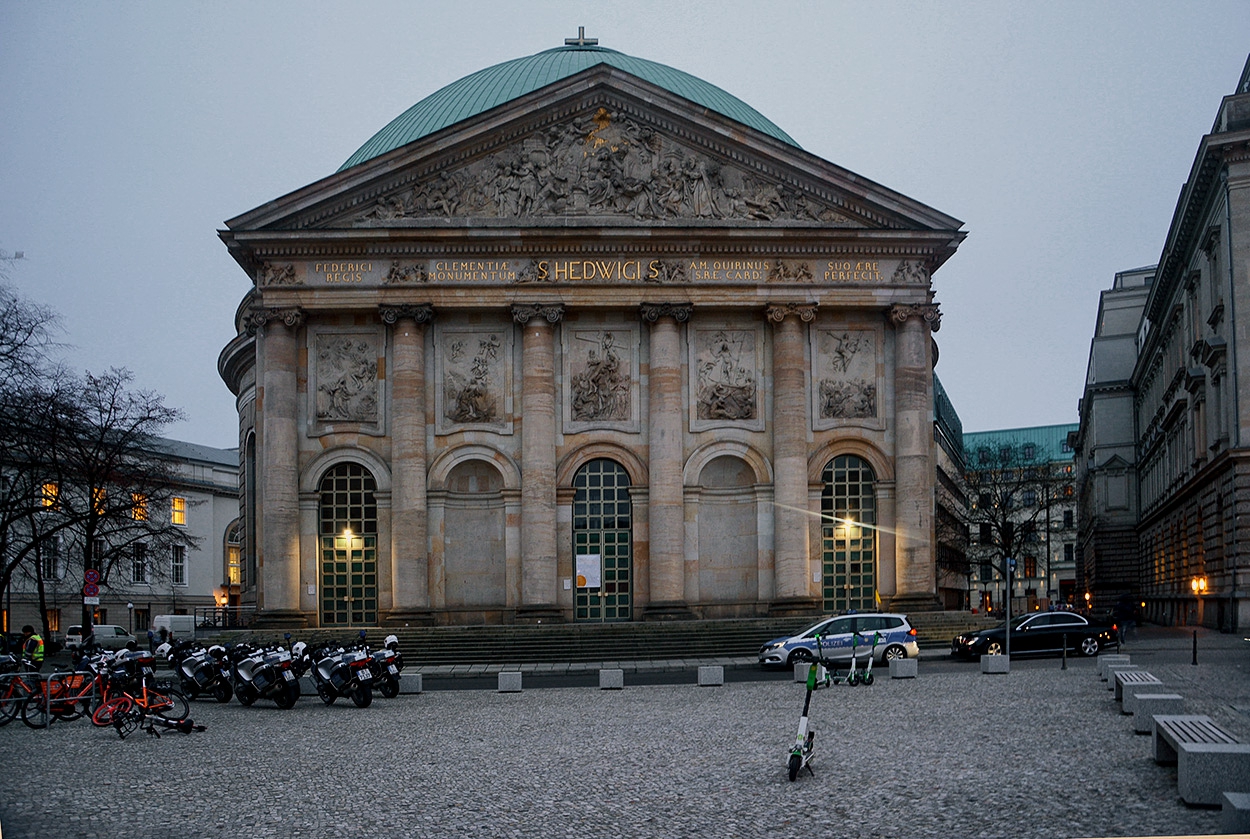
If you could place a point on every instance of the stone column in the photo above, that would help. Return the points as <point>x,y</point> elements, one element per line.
<point>538,462</point>
<point>410,557</point>
<point>666,510</point>
<point>279,470</point>
<point>791,545</point>
<point>914,474</point>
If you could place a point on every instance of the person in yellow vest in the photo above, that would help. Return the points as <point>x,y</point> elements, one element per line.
<point>32,648</point>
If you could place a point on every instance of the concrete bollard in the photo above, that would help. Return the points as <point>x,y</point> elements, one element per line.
<point>800,671</point>
<point>1108,659</point>
<point>411,683</point>
<point>510,681</point>
<point>1149,704</point>
<point>1235,812</point>
<point>995,664</point>
<point>904,668</point>
<point>611,679</point>
<point>712,675</point>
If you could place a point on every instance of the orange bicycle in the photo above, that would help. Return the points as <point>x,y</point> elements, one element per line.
<point>131,686</point>
<point>15,686</point>
<point>60,696</point>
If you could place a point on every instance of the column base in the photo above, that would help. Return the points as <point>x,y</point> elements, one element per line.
<point>409,617</point>
<point>914,603</point>
<point>281,619</point>
<point>787,607</point>
<point>669,610</point>
<point>540,613</point>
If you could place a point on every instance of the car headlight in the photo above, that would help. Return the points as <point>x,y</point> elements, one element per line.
<point>776,646</point>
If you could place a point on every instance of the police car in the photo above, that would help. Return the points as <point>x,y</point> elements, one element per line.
<point>884,636</point>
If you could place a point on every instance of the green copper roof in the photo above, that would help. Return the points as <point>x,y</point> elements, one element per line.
<point>485,89</point>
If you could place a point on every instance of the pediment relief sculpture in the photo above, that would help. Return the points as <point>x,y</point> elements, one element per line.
<point>347,378</point>
<point>603,163</point>
<point>846,372</point>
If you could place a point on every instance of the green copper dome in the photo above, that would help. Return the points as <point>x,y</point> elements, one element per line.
<point>485,89</point>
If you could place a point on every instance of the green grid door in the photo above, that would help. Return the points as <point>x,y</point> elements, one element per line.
<point>848,506</point>
<point>348,587</point>
<point>602,527</point>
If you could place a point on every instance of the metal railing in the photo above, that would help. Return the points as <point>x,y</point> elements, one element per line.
<point>225,617</point>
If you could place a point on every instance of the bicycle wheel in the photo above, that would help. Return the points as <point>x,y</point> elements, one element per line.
<point>35,711</point>
<point>169,705</point>
<point>15,693</point>
<point>110,711</point>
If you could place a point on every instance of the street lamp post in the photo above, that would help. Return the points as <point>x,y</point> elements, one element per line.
<point>130,617</point>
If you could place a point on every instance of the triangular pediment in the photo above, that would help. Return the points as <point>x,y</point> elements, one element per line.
<point>601,148</point>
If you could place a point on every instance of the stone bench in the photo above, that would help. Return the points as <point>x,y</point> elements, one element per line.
<point>611,679</point>
<point>1235,816</point>
<point>995,664</point>
<point>1128,679</point>
<point>1105,659</point>
<point>1208,759</point>
<point>711,675</point>
<point>510,681</point>
<point>1112,669</point>
<point>1146,705</point>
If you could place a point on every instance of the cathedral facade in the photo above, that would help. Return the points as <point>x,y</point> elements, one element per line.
<point>611,347</point>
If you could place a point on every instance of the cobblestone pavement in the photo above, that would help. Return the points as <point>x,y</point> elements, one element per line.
<point>1040,752</point>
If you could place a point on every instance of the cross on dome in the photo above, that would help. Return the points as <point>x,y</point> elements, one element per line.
<point>581,40</point>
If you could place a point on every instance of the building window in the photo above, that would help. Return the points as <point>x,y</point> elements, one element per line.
<point>139,566</point>
<point>50,495</point>
<point>178,565</point>
<point>987,571</point>
<point>987,535</point>
<point>138,506</point>
<point>142,619</point>
<point>97,554</point>
<point>1067,519</point>
<point>1030,451</point>
<point>53,617</point>
<point>98,499</point>
<point>50,558</point>
<point>178,511</point>
<point>1069,553</point>
<point>1030,498</point>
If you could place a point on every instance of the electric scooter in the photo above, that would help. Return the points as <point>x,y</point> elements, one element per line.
<point>866,677</point>
<point>804,742</point>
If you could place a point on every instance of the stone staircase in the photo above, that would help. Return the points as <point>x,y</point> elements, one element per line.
<point>577,642</point>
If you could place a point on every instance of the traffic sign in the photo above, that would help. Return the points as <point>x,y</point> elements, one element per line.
<point>90,590</point>
<point>91,576</point>
<point>91,601</point>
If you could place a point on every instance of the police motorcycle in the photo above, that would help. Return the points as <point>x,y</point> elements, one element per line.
<point>385,665</point>
<point>199,669</point>
<point>337,671</point>
<point>264,673</point>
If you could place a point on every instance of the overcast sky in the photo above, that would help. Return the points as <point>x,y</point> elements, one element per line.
<point>1060,133</point>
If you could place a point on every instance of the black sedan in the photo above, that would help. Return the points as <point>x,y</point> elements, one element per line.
<point>1039,633</point>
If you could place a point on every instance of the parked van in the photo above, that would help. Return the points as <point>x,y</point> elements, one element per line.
<point>181,626</point>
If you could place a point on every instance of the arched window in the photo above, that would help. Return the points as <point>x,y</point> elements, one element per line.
<point>349,547</point>
<point>848,507</point>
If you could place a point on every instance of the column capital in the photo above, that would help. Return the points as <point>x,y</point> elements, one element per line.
<point>258,317</point>
<point>805,312</point>
<point>652,312</point>
<point>550,312</point>
<point>421,313</point>
<point>902,312</point>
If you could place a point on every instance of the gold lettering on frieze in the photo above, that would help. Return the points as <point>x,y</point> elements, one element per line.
<point>852,272</point>
<point>593,270</point>
<point>730,270</point>
<point>342,272</point>
<point>460,271</point>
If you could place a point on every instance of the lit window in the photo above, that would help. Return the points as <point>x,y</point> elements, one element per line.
<point>178,565</point>
<point>138,506</point>
<point>50,495</point>
<point>98,498</point>
<point>178,511</point>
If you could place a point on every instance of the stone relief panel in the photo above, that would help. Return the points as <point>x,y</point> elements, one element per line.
<point>602,162</point>
<point>725,374</point>
<point>846,377</point>
<point>601,377</point>
<point>474,378</point>
<point>345,385</point>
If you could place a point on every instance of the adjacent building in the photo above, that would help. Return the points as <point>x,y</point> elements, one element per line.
<point>195,575</point>
<point>583,337</point>
<point>1186,480</point>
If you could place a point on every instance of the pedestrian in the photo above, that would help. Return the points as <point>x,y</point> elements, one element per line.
<point>32,648</point>
<point>151,640</point>
<point>164,635</point>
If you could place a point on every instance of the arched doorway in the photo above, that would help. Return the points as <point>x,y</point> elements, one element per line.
<point>349,547</point>
<point>848,507</point>
<point>602,542</point>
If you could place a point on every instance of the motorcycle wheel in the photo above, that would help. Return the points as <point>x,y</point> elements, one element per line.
<point>389,687</point>
<point>285,699</point>
<point>222,691</point>
<point>191,689</point>
<point>362,695</point>
<point>326,695</point>
<point>246,694</point>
